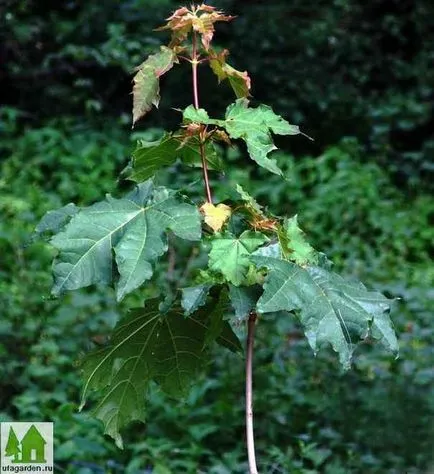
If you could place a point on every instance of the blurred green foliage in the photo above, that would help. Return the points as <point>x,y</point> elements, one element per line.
<point>344,67</point>
<point>358,76</point>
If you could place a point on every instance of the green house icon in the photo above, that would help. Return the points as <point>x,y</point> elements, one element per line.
<point>30,450</point>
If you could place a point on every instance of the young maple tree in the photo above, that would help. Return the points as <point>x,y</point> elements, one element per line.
<point>258,263</point>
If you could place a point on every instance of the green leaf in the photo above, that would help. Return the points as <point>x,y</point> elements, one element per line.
<point>243,299</point>
<point>294,245</point>
<point>198,115</point>
<point>253,125</point>
<point>230,255</point>
<point>54,221</point>
<point>218,308</point>
<point>229,339</point>
<point>146,90</point>
<point>147,345</point>
<point>273,250</point>
<point>190,155</point>
<point>194,297</point>
<point>331,309</point>
<point>134,230</point>
<point>149,157</point>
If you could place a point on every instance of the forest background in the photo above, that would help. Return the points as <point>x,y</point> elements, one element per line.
<point>357,76</point>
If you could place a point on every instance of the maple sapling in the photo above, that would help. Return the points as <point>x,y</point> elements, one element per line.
<point>258,263</point>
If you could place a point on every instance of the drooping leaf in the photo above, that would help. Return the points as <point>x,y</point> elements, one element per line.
<point>295,245</point>
<point>122,370</point>
<point>239,81</point>
<point>146,90</point>
<point>133,230</point>
<point>244,299</point>
<point>215,216</point>
<point>147,345</point>
<point>179,352</point>
<point>219,330</point>
<point>194,296</point>
<point>253,125</point>
<point>230,255</point>
<point>149,157</point>
<point>331,309</point>
<point>53,221</point>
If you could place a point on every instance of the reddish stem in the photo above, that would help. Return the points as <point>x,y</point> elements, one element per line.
<point>194,63</point>
<point>249,394</point>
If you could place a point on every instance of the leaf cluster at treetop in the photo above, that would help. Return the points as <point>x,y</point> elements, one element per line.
<point>258,263</point>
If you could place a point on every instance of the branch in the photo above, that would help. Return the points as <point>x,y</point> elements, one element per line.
<point>194,63</point>
<point>249,394</point>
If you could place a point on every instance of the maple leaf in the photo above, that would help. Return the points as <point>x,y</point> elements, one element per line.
<point>331,309</point>
<point>146,90</point>
<point>149,157</point>
<point>204,25</point>
<point>133,228</point>
<point>239,80</point>
<point>200,19</point>
<point>215,216</point>
<point>148,346</point>
<point>230,255</point>
<point>253,125</point>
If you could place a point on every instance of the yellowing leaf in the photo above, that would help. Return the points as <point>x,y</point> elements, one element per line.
<point>216,216</point>
<point>239,80</point>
